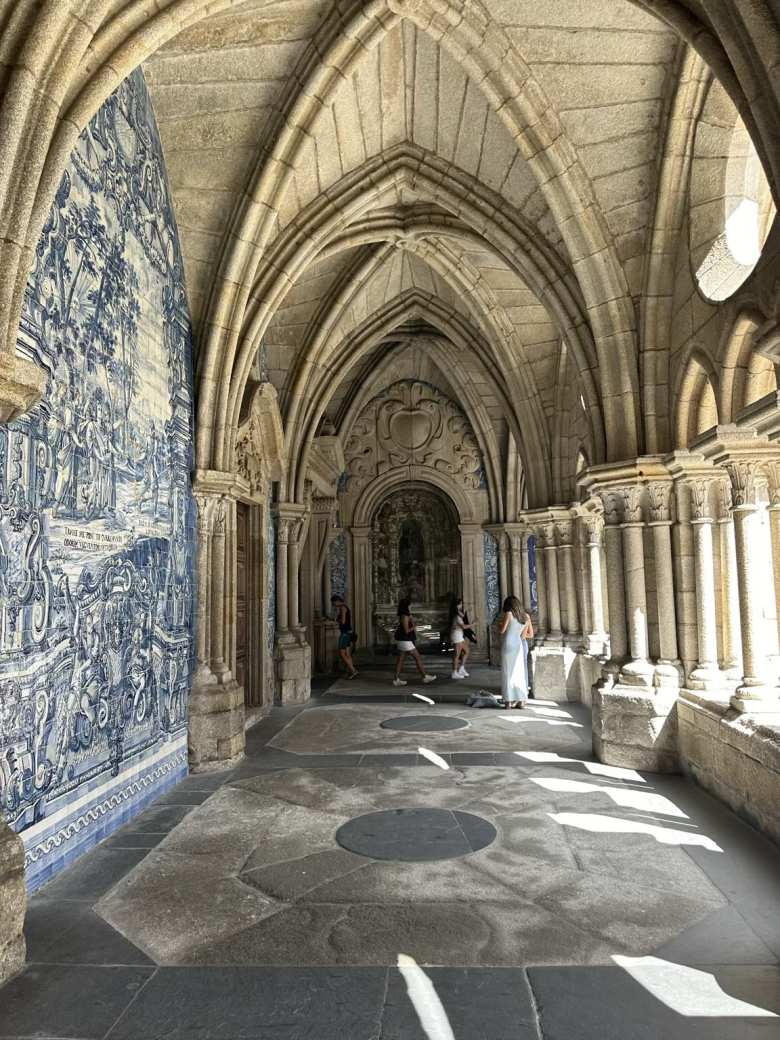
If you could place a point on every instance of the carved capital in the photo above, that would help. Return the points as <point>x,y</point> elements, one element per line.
<point>632,504</point>
<point>594,528</point>
<point>22,384</point>
<point>613,507</point>
<point>660,497</point>
<point>747,480</point>
<point>563,532</point>
<point>725,499</point>
<point>773,474</point>
<point>700,498</point>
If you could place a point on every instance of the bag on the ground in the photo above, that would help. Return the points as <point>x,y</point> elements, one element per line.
<point>485,699</point>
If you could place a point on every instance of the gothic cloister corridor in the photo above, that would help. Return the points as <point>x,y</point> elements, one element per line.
<point>389,519</point>
<point>228,909</point>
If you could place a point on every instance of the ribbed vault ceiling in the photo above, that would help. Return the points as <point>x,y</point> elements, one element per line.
<point>358,151</point>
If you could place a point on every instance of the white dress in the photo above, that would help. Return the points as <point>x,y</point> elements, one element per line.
<point>514,669</point>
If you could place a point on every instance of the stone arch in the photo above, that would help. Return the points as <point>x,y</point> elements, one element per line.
<point>697,396</point>
<point>373,494</point>
<point>318,229</point>
<point>473,407</point>
<point>367,336</point>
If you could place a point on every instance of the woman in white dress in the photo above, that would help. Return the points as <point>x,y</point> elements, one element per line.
<point>516,628</point>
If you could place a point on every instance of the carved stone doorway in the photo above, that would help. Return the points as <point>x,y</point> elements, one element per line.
<point>416,553</point>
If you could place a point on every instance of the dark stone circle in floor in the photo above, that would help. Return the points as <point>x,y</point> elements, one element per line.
<point>416,835</point>
<point>424,723</point>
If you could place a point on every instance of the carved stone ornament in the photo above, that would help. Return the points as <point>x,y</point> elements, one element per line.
<point>632,504</point>
<point>260,449</point>
<point>773,473</point>
<point>563,532</point>
<point>412,423</point>
<point>594,527</point>
<point>725,499</point>
<point>700,499</point>
<point>613,507</point>
<point>660,497</point>
<point>747,479</point>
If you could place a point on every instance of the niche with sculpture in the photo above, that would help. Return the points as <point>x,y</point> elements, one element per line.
<point>416,554</point>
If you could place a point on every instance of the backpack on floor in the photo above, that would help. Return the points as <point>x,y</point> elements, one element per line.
<point>484,699</point>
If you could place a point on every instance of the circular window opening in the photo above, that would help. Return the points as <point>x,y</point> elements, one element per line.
<point>731,202</point>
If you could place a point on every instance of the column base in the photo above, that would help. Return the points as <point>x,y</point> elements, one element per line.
<point>637,673</point>
<point>668,675</point>
<point>705,677</point>
<point>293,673</point>
<point>216,725</point>
<point>767,702</point>
<point>635,728</point>
<point>595,643</point>
<point>561,674</point>
<point>13,902</point>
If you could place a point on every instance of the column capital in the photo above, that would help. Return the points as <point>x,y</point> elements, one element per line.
<point>699,490</point>
<point>748,480</point>
<point>773,477</point>
<point>613,507</point>
<point>659,496</point>
<point>632,503</point>
<point>564,532</point>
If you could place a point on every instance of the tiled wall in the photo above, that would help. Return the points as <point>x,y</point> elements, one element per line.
<point>492,591</point>
<point>96,514</point>
<point>337,557</point>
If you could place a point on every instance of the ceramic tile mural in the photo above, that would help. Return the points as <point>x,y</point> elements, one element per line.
<point>492,594</point>
<point>96,515</point>
<point>338,565</point>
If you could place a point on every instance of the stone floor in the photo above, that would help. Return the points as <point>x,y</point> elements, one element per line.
<point>532,893</point>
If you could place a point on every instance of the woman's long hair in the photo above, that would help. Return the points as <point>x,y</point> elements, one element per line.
<point>403,607</point>
<point>512,605</point>
<point>454,601</point>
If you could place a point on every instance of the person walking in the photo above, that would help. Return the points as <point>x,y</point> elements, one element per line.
<point>405,644</point>
<point>459,626</point>
<point>516,628</point>
<point>344,620</point>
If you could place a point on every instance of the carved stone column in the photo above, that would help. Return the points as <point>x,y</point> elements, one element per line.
<point>596,636</point>
<point>706,674</point>
<point>565,538</point>
<point>361,584</point>
<point>283,531</point>
<point>754,694</point>
<point>638,671</point>
<point>731,637</point>
<point>293,653</point>
<point>216,710</point>
<point>616,589</point>
<point>555,633</point>
<point>667,668</point>
<point>773,473</point>
<point>542,614</point>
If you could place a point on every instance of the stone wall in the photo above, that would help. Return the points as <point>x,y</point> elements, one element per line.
<point>735,756</point>
<point>96,514</point>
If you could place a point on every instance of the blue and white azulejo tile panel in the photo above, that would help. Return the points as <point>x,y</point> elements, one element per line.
<point>96,512</point>
<point>492,592</point>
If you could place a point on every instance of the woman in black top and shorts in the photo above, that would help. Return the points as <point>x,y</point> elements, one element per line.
<point>344,619</point>
<point>404,641</point>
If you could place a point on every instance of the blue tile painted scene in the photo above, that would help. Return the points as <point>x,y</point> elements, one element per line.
<point>96,512</point>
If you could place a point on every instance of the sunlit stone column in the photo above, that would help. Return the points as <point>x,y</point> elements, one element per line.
<point>731,663</point>
<point>205,505</point>
<point>754,694</point>
<point>293,579</point>
<point>616,592</point>
<point>565,534</point>
<point>553,588</point>
<point>667,668</point>
<point>773,473</point>
<point>218,587</point>
<point>638,671</point>
<point>594,527</point>
<point>706,674</point>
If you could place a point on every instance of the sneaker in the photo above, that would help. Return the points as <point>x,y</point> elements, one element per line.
<point>456,675</point>
<point>463,674</point>
<point>399,682</point>
<point>352,675</point>
<point>427,679</point>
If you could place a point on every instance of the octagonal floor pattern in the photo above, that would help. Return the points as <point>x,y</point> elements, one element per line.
<point>621,903</point>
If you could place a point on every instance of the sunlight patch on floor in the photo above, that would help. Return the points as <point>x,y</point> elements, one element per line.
<point>624,796</point>
<point>615,825</point>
